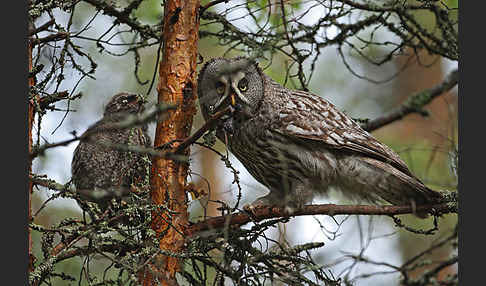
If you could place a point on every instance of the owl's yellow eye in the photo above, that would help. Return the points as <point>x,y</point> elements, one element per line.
<point>220,88</point>
<point>243,84</point>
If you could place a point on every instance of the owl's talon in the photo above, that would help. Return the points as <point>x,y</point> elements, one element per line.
<point>251,209</point>
<point>289,210</point>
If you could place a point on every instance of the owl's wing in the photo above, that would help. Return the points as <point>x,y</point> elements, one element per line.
<point>310,117</point>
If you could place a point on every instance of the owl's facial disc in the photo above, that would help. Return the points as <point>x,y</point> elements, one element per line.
<point>125,103</point>
<point>222,90</point>
<point>239,85</point>
<point>231,88</point>
<point>134,103</point>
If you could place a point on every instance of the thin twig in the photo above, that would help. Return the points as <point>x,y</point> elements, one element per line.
<point>130,121</point>
<point>51,38</point>
<point>42,27</point>
<point>123,17</point>
<point>200,132</point>
<point>211,4</point>
<point>415,103</point>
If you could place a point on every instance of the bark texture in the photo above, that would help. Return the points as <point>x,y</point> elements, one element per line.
<point>177,85</point>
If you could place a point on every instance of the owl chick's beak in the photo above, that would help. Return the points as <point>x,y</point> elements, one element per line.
<point>138,103</point>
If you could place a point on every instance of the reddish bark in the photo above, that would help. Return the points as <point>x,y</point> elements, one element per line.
<point>177,85</point>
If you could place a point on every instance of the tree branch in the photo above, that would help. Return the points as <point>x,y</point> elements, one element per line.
<point>260,214</point>
<point>124,17</point>
<point>200,132</point>
<point>130,121</point>
<point>415,103</point>
<point>51,38</point>
<point>43,27</point>
<point>202,9</point>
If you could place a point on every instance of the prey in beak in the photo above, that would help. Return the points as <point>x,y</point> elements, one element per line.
<point>228,119</point>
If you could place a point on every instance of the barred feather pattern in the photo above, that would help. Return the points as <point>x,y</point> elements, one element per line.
<point>298,145</point>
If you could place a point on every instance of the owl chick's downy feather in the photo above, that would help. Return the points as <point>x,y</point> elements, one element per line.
<point>101,172</point>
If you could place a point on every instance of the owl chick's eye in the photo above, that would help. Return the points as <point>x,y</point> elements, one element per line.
<point>220,87</point>
<point>132,98</point>
<point>243,84</point>
<point>129,99</point>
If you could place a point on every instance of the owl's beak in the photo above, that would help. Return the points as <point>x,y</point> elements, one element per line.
<point>233,100</point>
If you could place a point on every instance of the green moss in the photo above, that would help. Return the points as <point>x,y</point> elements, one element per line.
<point>418,101</point>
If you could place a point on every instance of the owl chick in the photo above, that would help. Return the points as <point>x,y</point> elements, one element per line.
<point>101,172</point>
<point>298,144</point>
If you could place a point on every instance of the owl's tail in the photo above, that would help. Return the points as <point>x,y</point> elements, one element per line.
<point>431,197</point>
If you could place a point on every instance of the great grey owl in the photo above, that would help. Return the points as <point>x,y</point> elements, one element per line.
<point>298,144</point>
<point>100,170</point>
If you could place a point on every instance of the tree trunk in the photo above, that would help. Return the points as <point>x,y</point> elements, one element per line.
<point>177,85</point>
